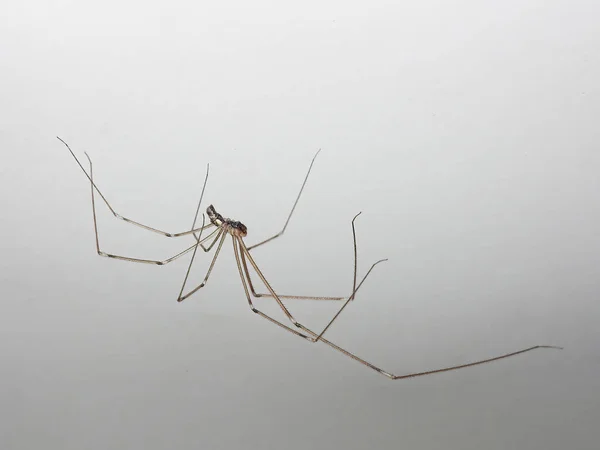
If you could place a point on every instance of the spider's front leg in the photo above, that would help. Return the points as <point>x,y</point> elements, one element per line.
<point>276,235</point>
<point>128,258</point>
<point>221,235</point>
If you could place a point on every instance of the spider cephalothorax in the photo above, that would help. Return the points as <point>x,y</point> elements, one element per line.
<point>233,227</point>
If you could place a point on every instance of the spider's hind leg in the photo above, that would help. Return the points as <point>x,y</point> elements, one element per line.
<point>119,216</point>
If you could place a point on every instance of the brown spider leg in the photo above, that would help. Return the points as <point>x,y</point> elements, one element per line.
<point>295,297</point>
<point>187,273</point>
<point>313,337</point>
<point>212,244</point>
<point>351,297</point>
<point>127,258</point>
<point>262,277</point>
<point>293,208</point>
<point>200,202</point>
<point>181,297</point>
<point>277,298</point>
<point>476,363</point>
<point>209,248</point>
<point>355,258</point>
<point>304,297</point>
<point>252,307</point>
<point>117,215</point>
<point>347,301</point>
<point>286,327</point>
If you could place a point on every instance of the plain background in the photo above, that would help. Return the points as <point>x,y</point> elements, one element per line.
<point>467,133</point>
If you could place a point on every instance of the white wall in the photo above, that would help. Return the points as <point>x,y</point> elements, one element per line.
<point>466,132</point>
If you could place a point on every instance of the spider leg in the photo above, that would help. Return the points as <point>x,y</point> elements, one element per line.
<point>127,258</point>
<point>350,298</point>
<point>259,295</point>
<point>119,216</point>
<point>304,297</point>
<point>243,249</point>
<point>209,248</point>
<point>197,237</point>
<point>277,297</point>
<point>275,236</point>
<point>311,336</point>
<point>222,234</point>
<point>252,307</point>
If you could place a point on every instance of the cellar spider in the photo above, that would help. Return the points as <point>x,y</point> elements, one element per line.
<point>224,227</point>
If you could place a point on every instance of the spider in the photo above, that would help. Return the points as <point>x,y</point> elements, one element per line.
<point>237,231</point>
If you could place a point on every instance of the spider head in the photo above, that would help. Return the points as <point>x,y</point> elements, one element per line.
<point>239,228</point>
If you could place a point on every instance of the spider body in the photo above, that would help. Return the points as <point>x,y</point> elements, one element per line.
<point>233,227</point>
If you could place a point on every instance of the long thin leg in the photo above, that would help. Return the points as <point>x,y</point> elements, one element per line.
<point>295,297</point>
<point>187,273</point>
<point>312,336</point>
<point>355,258</point>
<point>277,298</point>
<point>303,297</point>
<point>252,307</point>
<point>218,232</point>
<point>243,248</point>
<point>293,207</point>
<point>126,258</point>
<point>348,300</point>
<point>120,217</point>
<point>315,337</point>
<point>210,268</point>
<point>200,201</point>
